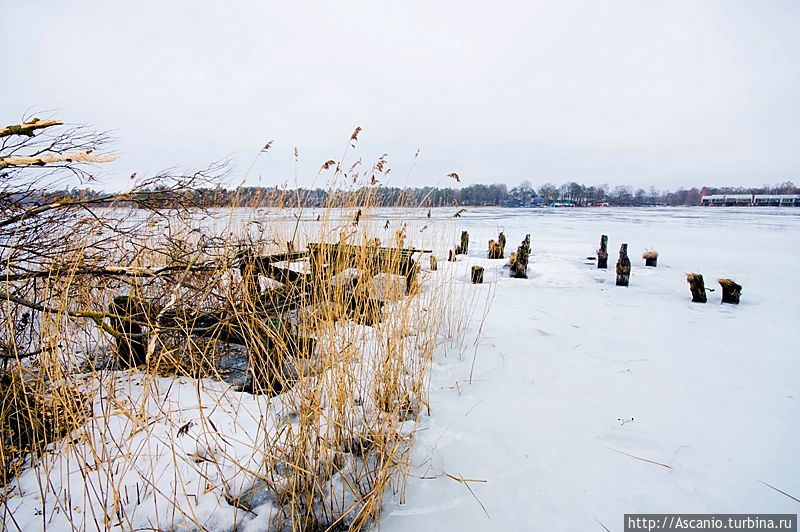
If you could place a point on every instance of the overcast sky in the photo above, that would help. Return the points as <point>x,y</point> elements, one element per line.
<point>663,93</point>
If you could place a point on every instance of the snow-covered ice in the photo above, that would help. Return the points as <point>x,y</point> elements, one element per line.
<point>586,401</point>
<point>589,401</point>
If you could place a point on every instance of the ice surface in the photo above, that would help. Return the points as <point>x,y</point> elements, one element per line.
<point>587,401</point>
<point>578,383</point>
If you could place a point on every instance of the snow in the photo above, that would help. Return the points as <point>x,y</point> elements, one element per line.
<point>172,453</point>
<point>564,403</point>
<point>589,401</point>
<point>136,428</point>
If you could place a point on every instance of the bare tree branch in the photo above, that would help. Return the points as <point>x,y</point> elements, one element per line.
<point>28,128</point>
<point>84,157</point>
<point>63,252</point>
<point>117,271</point>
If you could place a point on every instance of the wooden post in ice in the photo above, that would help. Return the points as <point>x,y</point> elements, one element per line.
<point>697,287</point>
<point>434,265</point>
<point>731,291</point>
<point>495,252</point>
<point>519,259</point>
<point>477,274</point>
<point>463,247</point>
<point>623,266</point>
<point>650,258</point>
<point>496,248</point>
<point>451,256</point>
<point>602,253</point>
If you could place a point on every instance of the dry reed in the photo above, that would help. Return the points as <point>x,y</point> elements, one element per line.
<point>326,375</point>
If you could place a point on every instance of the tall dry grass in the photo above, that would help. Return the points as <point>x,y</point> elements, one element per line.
<point>312,435</point>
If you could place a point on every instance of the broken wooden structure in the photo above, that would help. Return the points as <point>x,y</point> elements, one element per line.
<point>697,287</point>
<point>270,333</point>
<point>329,259</point>
<point>262,318</point>
<point>623,266</point>
<point>519,259</point>
<point>602,253</point>
<point>731,290</point>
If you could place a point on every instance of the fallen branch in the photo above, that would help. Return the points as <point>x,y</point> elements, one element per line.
<point>20,357</point>
<point>113,271</point>
<point>96,317</point>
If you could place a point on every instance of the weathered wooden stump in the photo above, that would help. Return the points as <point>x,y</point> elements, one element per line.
<point>697,287</point>
<point>451,256</point>
<point>623,266</point>
<point>362,307</point>
<point>127,316</point>
<point>477,274</point>
<point>434,265</point>
<point>731,291</point>
<point>602,253</point>
<point>495,251</point>
<point>519,259</point>
<point>463,246</point>
<point>650,258</point>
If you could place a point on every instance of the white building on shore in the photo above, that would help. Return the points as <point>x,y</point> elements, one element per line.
<point>751,200</point>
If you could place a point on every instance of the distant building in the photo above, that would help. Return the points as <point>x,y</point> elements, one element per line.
<point>750,200</point>
<point>776,200</point>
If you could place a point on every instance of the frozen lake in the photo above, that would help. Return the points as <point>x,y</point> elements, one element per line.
<point>567,402</point>
<point>589,401</point>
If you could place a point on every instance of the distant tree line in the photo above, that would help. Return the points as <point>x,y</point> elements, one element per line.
<point>523,195</point>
